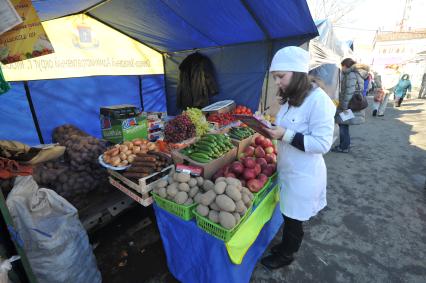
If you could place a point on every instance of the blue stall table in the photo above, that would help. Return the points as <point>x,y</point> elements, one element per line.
<point>195,256</point>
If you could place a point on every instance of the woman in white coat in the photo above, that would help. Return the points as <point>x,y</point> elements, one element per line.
<point>305,126</point>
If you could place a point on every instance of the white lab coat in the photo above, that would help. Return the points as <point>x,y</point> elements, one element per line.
<point>302,174</point>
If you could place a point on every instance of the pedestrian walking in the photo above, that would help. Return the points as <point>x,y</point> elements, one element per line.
<point>305,126</point>
<point>400,90</point>
<point>379,94</point>
<point>354,78</point>
<point>422,92</point>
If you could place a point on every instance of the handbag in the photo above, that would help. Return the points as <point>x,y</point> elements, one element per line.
<point>358,101</point>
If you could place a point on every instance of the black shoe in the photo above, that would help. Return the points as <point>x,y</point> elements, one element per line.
<point>276,249</point>
<point>381,115</point>
<point>276,261</point>
<point>374,112</point>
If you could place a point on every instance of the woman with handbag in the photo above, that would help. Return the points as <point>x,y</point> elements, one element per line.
<point>353,89</point>
<point>305,126</point>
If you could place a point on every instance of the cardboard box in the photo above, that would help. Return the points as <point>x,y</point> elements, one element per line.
<point>208,168</point>
<point>123,123</point>
<point>243,144</point>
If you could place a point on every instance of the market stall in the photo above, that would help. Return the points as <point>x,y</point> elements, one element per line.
<point>239,48</point>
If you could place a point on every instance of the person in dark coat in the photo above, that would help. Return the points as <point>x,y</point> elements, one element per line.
<point>197,82</point>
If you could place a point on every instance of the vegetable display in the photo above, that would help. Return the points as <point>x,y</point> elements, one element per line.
<point>179,129</point>
<point>198,119</point>
<point>181,188</point>
<point>222,119</point>
<point>208,148</point>
<point>224,202</point>
<point>255,165</point>
<point>240,133</point>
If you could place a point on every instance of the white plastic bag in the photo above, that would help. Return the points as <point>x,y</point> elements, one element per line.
<point>54,240</point>
<point>5,266</point>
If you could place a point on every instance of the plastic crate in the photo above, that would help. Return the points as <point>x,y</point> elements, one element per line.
<point>216,230</point>
<point>183,211</point>
<point>260,195</point>
<point>274,177</point>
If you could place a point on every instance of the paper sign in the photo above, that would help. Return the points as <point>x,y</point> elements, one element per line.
<point>8,16</point>
<point>346,115</point>
<point>26,40</point>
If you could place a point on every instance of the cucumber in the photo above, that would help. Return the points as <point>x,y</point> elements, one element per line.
<point>199,159</point>
<point>200,155</point>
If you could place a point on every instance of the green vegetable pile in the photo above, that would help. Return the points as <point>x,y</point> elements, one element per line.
<point>208,148</point>
<point>240,133</point>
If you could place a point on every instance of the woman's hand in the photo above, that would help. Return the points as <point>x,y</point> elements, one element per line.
<point>276,133</point>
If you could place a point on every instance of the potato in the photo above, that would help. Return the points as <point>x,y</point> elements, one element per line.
<point>193,191</point>
<point>214,216</point>
<point>115,160</point>
<point>192,182</point>
<point>233,181</point>
<point>183,177</point>
<point>123,156</point>
<point>197,197</point>
<point>227,220</point>
<point>245,190</point>
<point>136,149</point>
<point>161,184</point>
<point>200,181</point>
<point>123,148</point>
<point>214,206</point>
<point>220,187</point>
<point>189,201</point>
<point>131,157</point>
<point>129,152</point>
<point>237,217</point>
<point>220,179</point>
<point>233,192</point>
<point>239,206</point>
<point>172,190</point>
<point>170,178</point>
<point>123,163</point>
<point>203,210</point>
<point>243,212</point>
<point>181,197</point>
<point>225,203</point>
<point>208,197</point>
<point>208,185</point>
<point>184,187</point>
<point>162,192</point>
<point>245,198</point>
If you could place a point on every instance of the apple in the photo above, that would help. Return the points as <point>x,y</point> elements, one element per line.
<point>259,152</point>
<point>249,151</point>
<point>259,139</point>
<point>269,149</point>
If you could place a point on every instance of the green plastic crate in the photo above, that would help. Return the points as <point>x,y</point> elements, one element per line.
<point>274,177</point>
<point>183,211</point>
<point>215,229</point>
<point>260,195</point>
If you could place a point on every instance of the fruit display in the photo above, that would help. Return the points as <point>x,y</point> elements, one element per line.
<point>145,164</point>
<point>241,109</point>
<point>222,119</point>
<point>208,148</point>
<point>225,201</point>
<point>266,117</point>
<point>255,165</point>
<point>198,119</point>
<point>240,133</point>
<point>181,188</point>
<point>179,129</point>
<point>123,154</point>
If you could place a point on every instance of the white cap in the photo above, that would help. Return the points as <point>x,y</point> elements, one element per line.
<point>291,59</point>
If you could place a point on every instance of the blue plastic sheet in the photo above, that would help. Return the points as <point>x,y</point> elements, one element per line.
<point>195,256</point>
<point>73,101</point>
<point>16,121</point>
<point>172,25</point>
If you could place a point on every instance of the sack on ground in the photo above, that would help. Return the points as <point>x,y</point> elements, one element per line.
<point>55,241</point>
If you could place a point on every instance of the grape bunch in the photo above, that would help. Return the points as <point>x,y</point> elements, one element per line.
<point>179,129</point>
<point>198,119</point>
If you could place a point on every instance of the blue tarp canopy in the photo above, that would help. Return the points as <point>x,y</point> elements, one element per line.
<point>239,36</point>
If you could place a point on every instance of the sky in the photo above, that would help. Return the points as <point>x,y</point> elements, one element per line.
<point>367,16</point>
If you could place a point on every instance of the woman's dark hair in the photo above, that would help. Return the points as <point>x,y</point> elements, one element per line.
<point>348,62</point>
<point>298,89</point>
<point>405,76</point>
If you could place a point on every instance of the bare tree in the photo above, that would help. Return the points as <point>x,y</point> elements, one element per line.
<point>334,10</point>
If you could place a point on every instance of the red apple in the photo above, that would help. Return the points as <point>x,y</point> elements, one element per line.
<point>249,151</point>
<point>258,140</point>
<point>232,175</point>
<point>261,161</point>
<point>257,168</point>
<point>271,158</point>
<point>249,174</point>
<point>249,162</point>
<point>269,149</point>
<point>237,168</point>
<point>241,155</point>
<point>259,152</point>
<point>266,143</point>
